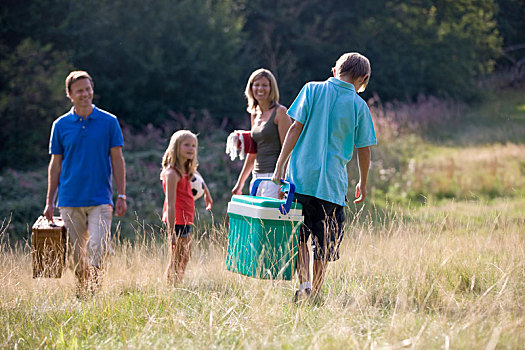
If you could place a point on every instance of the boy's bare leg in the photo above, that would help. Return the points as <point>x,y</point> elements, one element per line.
<point>303,271</point>
<point>303,263</point>
<point>318,274</point>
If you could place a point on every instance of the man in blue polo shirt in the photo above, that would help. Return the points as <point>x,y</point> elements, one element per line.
<point>330,119</point>
<point>86,148</point>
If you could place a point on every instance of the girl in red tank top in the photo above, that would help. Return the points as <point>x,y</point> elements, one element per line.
<point>179,163</point>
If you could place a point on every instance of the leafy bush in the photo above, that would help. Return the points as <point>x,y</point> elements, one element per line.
<point>22,200</point>
<point>34,96</point>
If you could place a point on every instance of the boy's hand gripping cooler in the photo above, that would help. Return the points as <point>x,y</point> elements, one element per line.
<point>263,235</point>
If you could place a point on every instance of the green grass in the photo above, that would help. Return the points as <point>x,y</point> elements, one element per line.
<point>435,275</point>
<point>500,119</point>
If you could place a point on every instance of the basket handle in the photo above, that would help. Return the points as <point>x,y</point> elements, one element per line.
<point>285,207</point>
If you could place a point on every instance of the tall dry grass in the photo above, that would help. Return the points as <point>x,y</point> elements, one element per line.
<point>480,171</point>
<point>434,277</point>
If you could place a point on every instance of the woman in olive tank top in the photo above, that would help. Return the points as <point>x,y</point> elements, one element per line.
<point>269,125</point>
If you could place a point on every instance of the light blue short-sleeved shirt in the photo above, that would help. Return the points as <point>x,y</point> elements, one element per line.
<point>335,119</point>
<point>85,144</point>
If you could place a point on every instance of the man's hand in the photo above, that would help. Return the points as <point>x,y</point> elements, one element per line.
<point>121,207</point>
<point>119,174</point>
<point>53,175</point>
<point>49,211</point>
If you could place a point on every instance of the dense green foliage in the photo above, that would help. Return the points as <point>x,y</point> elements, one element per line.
<point>416,47</point>
<point>154,61</point>
<point>33,98</point>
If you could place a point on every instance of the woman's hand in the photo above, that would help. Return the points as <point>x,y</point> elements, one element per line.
<point>237,189</point>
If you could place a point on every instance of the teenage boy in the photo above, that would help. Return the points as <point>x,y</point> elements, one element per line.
<point>330,119</point>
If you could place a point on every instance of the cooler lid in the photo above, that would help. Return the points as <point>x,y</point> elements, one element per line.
<point>265,202</point>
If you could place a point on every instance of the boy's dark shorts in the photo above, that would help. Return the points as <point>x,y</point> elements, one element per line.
<point>323,221</point>
<point>181,231</point>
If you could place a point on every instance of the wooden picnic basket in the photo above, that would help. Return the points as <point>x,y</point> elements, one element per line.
<point>49,242</point>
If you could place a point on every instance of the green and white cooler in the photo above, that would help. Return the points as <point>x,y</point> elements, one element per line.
<point>263,234</point>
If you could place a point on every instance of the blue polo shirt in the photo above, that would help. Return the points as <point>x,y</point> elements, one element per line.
<point>85,178</point>
<point>335,120</point>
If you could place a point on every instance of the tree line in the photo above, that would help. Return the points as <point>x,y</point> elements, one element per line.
<point>153,60</point>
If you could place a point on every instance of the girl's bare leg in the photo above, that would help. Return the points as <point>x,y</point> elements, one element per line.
<point>172,265</point>
<point>184,251</point>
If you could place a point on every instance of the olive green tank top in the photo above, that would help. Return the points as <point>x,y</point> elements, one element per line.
<point>268,145</point>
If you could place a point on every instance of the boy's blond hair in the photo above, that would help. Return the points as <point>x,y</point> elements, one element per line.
<point>171,155</point>
<point>77,75</point>
<point>274,89</point>
<point>352,66</point>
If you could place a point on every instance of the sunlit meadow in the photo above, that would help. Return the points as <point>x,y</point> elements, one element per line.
<point>431,277</point>
<point>435,259</point>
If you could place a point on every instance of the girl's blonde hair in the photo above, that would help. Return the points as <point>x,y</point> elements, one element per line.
<point>274,89</point>
<point>171,156</point>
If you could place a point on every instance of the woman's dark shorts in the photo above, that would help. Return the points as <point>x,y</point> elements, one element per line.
<point>181,231</point>
<point>323,221</point>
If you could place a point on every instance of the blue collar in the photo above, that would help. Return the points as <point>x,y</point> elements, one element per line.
<point>75,117</point>
<point>341,83</point>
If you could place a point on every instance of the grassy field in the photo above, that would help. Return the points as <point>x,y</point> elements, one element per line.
<point>436,277</point>
<point>435,259</point>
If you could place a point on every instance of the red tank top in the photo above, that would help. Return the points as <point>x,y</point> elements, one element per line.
<point>184,204</point>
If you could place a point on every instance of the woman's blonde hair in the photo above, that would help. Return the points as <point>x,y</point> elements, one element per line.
<point>274,89</point>
<point>171,156</point>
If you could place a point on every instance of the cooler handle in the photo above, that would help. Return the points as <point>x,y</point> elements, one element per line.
<point>284,208</point>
